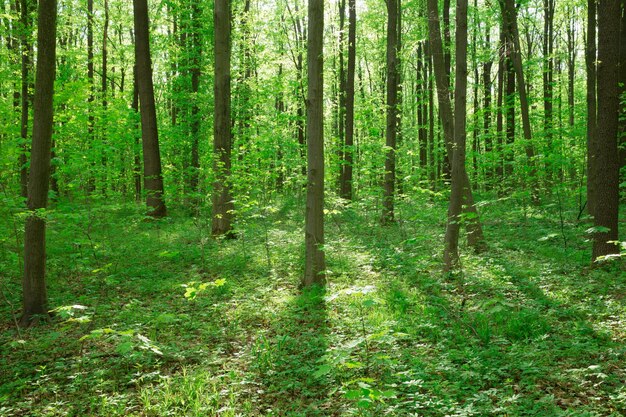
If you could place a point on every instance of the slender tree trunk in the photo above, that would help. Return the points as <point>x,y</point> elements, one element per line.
<point>91,182</point>
<point>153,180</point>
<point>451,247</point>
<point>510,17</point>
<point>548,79</point>
<point>431,119</point>
<point>510,113</point>
<point>392,112</point>
<point>487,110</point>
<point>348,153</point>
<point>196,53</point>
<point>27,52</point>
<point>475,235</point>
<point>499,105</point>
<point>105,103</point>
<point>606,186</point>
<point>315,264</point>
<point>35,300</point>
<point>136,134</point>
<point>222,200</point>
<point>592,112</point>
<point>422,133</point>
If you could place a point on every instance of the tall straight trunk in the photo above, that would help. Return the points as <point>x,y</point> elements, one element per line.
<point>153,179</point>
<point>26,52</point>
<point>222,200</point>
<point>510,19</point>
<point>451,244</point>
<point>606,186</point>
<point>136,153</point>
<point>509,101</point>
<point>447,44</point>
<point>103,89</point>
<point>315,263</point>
<point>548,77</point>
<point>341,113</point>
<point>91,184</point>
<point>348,153</point>
<point>420,90</point>
<point>431,119</point>
<point>475,235</point>
<point>392,112</point>
<point>622,91</point>
<point>196,53</point>
<point>35,300</point>
<point>592,112</point>
<point>499,105</point>
<point>571,66</point>
<point>487,108</point>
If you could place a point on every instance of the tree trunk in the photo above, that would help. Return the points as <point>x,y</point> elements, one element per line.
<point>348,153</point>
<point>451,247</point>
<point>35,301</point>
<point>509,102</point>
<point>475,235</point>
<point>592,112</point>
<point>622,91</point>
<point>548,79</point>
<point>91,182</point>
<point>315,264</point>
<point>222,200</point>
<point>499,105</point>
<point>607,185</point>
<point>392,112</point>
<point>510,19</point>
<point>153,180</point>
<point>136,153</point>
<point>27,52</point>
<point>196,53</point>
<point>487,111</point>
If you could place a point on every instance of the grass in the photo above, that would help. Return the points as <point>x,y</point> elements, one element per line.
<point>154,319</point>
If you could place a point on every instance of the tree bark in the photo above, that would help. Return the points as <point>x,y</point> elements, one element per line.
<point>451,246</point>
<point>35,301</point>
<point>592,111</point>
<point>222,199</point>
<point>27,52</point>
<point>392,112</point>
<point>607,185</point>
<point>153,180</point>
<point>510,19</point>
<point>196,53</point>
<point>548,79</point>
<point>348,152</point>
<point>315,263</point>
<point>475,235</point>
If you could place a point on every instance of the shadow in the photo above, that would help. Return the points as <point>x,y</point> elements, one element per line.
<point>287,356</point>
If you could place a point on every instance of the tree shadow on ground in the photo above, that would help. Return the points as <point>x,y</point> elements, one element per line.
<point>287,355</point>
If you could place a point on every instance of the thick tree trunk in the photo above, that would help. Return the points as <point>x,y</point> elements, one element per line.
<point>451,245</point>
<point>35,301</point>
<point>348,153</point>
<point>622,91</point>
<point>392,112</point>
<point>315,264</point>
<point>153,180</point>
<point>606,185</point>
<point>592,112</point>
<point>475,235</point>
<point>222,200</point>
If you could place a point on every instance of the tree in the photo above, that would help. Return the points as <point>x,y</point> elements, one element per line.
<point>451,250</point>
<point>606,179</point>
<point>346,190</point>
<point>315,263</point>
<point>475,235</point>
<point>35,301</point>
<point>153,179</point>
<point>222,200</point>
<point>392,111</point>
<point>27,52</point>
<point>592,113</point>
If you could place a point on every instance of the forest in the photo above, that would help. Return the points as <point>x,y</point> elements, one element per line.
<point>313,208</point>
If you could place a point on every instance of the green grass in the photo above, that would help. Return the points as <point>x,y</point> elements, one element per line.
<point>527,329</point>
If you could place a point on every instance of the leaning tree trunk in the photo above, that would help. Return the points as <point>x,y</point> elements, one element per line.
<point>451,244</point>
<point>392,111</point>
<point>606,205</point>
<point>153,180</point>
<point>315,263</point>
<point>222,200</point>
<point>475,235</point>
<point>35,300</point>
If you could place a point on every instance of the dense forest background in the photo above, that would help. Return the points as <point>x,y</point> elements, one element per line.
<point>350,207</point>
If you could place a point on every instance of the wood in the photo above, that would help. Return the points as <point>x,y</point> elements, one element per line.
<point>153,179</point>
<point>348,151</point>
<point>222,200</point>
<point>35,299</point>
<point>315,262</point>
<point>591,60</point>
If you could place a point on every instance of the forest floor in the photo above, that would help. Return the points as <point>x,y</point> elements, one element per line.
<point>154,318</point>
